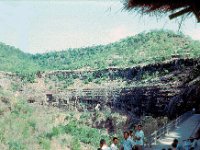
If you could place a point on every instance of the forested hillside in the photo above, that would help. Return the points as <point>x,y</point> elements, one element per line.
<point>144,48</point>
<point>14,60</point>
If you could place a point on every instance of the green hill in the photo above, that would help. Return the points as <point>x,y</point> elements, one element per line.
<point>14,60</point>
<point>144,48</point>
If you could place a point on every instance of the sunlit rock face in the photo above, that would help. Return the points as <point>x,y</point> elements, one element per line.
<point>168,88</point>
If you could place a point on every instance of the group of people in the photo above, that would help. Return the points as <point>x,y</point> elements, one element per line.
<point>132,141</point>
<point>189,144</point>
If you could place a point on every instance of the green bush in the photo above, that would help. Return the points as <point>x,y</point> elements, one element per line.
<point>16,145</point>
<point>97,81</point>
<point>22,109</point>
<point>15,86</point>
<point>32,124</point>
<point>83,133</point>
<point>27,76</point>
<point>75,144</point>
<point>85,81</point>
<point>45,143</point>
<point>55,132</point>
<point>2,138</point>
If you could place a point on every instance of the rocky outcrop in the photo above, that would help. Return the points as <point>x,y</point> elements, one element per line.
<point>175,90</point>
<point>134,73</point>
<point>186,100</point>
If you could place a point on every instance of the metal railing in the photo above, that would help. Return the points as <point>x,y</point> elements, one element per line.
<point>161,132</point>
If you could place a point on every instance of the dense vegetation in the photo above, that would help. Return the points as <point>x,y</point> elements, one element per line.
<point>14,60</point>
<point>26,127</point>
<point>143,48</point>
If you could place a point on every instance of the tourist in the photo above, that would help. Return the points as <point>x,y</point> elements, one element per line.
<point>131,138</point>
<point>193,110</point>
<point>174,145</point>
<point>197,134</point>
<point>126,144</point>
<point>114,144</point>
<point>194,144</point>
<point>187,145</point>
<point>131,134</point>
<point>139,137</point>
<point>134,137</point>
<point>97,107</point>
<point>103,145</point>
<point>178,146</point>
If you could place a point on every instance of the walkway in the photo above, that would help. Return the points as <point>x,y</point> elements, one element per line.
<point>182,132</point>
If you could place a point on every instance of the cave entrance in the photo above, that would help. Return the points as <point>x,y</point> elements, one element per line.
<point>49,97</point>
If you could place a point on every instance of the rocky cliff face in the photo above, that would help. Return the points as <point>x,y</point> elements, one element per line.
<point>171,94</point>
<point>169,88</point>
<point>134,73</point>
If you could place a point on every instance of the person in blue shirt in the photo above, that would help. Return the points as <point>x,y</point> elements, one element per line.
<point>127,144</point>
<point>187,145</point>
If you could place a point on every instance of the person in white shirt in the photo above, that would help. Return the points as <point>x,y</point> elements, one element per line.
<point>114,144</point>
<point>139,137</point>
<point>97,107</point>
<point>103,145</point>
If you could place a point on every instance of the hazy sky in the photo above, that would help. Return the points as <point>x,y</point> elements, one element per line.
<point>41,26</point>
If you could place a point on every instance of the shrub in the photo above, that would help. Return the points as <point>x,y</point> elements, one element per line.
<point>32,124</point>
<point>16,145</point>
<point>75,144</point>
<point>27,76</point>
<point>44,142</point>
<point>15,87</point>
<point>97,81</point>
<point>2,138</point>
<point>83,133</point>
